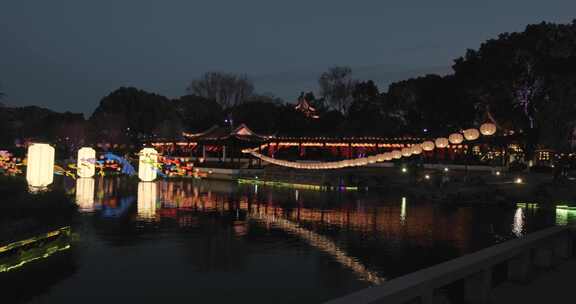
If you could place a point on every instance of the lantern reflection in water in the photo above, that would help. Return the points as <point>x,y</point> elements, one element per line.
<point>40,166</point>
<point>146,200</point>
<point>85,194</point>
<point>518,225</point>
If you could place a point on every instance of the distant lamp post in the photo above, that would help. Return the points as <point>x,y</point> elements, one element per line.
<point>148,161</point>
<point>40,165</point>
<point>86,162</point>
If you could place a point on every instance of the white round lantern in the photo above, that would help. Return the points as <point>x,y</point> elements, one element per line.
<point>86,164</point>
<point>456,138</point>
<point>372,159</point>
<point>416,149</point>
<point>471,134</point>
<point>488,129</point>
<point>406,152</point>
<point>396,154</point>
<point>388,156</point>
<point>40,165</point>
<point>147,164</point>
<point>428,145</point>
<point>441,142</point>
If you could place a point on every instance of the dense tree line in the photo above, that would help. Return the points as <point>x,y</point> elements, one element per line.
<point>525,82</point>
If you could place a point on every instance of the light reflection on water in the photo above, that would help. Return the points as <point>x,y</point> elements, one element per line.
<point>222,242</point>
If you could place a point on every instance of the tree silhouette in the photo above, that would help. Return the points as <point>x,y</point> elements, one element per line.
<point>226,89</point>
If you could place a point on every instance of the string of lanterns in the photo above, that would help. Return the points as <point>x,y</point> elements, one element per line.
<point>486,129</point>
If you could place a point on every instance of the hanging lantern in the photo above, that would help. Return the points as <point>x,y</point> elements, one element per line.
<point>40,165</point>
<point>406,152</point>
<point>488,129</point>
<point>146,200</point>
<point>147,164</point>
<point>441,142</point>
<point>456,138</point>
<point>416,149</point>
<point>380,157</point>
<point>471,134</point>
<point>428,145</point>
<point>372,159</point>
<point>85,194</point>
<point>396,154</point>
<point>86,162</point>
<point>388,156</point>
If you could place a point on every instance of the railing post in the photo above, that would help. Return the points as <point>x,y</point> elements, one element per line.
<point>519,268</point>
<point>477,287</point>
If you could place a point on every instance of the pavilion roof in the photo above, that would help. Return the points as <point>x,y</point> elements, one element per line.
<point>218,133</point>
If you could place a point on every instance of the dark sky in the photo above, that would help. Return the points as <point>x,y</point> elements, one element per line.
<point>66,55</point>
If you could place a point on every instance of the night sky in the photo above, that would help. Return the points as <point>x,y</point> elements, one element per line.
<point>66,55</point>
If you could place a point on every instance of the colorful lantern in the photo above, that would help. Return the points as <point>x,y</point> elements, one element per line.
<point>488,129</point>
<point>441,142</point>
<point>471,134</point>
<point>456,138</point>
<point>86,162</point>
<point>428,145</point>
<point>147,164</point>
<point>40,166</point>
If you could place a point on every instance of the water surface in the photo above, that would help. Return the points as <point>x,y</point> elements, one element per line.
<point>218,242</point>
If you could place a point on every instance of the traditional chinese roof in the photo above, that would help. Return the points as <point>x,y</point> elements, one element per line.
<point>304,106</point>
<point>217,133</point>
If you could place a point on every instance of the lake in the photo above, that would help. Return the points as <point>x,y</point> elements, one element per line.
<point>204,241</point>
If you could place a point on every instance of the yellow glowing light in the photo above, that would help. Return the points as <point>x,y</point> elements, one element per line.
<point>427,176</point>
<point>40,166</point>
<point>428,145</point>
<point>441,142</point>
<point>456,138</point>
<point>518,180</point>
<point>404,170</point>
<point>488,129</point>
<point>471,134</point>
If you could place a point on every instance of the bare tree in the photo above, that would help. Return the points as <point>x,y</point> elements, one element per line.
<point>225,88</point>
<point>337,86</point>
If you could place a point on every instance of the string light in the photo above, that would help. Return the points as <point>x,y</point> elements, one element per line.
<point>406,151</point>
